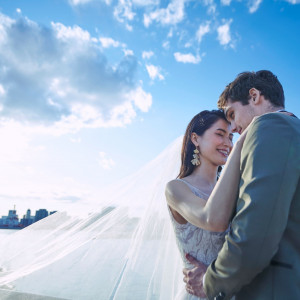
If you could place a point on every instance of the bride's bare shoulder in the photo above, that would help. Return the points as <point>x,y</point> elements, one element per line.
<point>175,189</point>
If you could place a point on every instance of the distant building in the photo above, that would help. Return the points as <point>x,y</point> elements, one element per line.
<point>10,221</point>
<point>3,220</point>
<point>27,219</point>
<point>40,214</point>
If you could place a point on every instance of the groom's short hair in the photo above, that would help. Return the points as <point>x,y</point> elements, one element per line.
<point>264,81</point>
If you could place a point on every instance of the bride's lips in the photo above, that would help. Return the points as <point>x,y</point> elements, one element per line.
<point>225,153</point>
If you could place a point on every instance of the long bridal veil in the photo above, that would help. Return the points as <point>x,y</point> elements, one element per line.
<point>124,249</point>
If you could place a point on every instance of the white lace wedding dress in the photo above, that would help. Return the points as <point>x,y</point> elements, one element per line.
<point>202,244</point>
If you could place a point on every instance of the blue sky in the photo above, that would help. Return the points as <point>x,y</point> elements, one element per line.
<point>91,90</point>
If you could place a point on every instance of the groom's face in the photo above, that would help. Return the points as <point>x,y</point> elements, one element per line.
<point>239,116</point>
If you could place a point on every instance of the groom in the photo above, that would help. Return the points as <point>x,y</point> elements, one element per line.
<point>260,259</point>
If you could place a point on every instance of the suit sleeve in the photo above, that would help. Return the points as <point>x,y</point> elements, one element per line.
<point>268,182</point>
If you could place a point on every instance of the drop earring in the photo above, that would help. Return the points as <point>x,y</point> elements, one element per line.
<point>196,159</point>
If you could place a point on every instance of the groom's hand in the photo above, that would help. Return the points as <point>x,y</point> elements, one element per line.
<point>194,277</point>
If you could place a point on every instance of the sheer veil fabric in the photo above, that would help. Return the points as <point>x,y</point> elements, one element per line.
<point>124,249</point>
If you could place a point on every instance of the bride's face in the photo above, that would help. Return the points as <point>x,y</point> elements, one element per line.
<point>216,143</point>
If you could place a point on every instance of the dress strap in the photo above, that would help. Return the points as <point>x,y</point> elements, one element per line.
<point>193,188</point>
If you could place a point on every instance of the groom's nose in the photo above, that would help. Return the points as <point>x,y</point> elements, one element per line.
<point>233,126</point>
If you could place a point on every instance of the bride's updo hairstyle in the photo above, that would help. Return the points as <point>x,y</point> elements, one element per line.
<point>199,124</point>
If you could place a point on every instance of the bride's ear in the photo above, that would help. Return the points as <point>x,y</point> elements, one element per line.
<point>194,139</point>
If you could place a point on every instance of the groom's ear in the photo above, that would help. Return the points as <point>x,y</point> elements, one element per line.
<point>255,96</point>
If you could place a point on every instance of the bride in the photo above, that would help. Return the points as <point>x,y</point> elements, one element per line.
<point>201,222</point>
<point>124,247</point>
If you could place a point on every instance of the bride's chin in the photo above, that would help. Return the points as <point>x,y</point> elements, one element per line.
<point>221,162</point>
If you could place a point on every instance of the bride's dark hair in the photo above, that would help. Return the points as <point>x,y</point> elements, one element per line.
<point>199,124</point>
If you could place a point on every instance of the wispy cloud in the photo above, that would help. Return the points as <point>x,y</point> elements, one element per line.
<point>78,2</point>
<point>254,5</point>
<point>293,1</point>
<point>128,52</point>
<point>141,99</point>
<point>202,30</point>
<point>211,6</point>
<point>107,42</point>
<point>171,15</point>
<point>128,27</point>
<point>154,72</point>
<point>224,35</point>
<point>82,2</point>
<point>123,11</point>
<point>14,143</point>
<point>225,2</point>
<point>105,162</point>
<point>58,76</point>
<point>187,58</point>
<point>147,54</point>
<point>145,2</point>
<point>166,45</point>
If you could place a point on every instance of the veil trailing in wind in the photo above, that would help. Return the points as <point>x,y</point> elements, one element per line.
<point>125,249</point>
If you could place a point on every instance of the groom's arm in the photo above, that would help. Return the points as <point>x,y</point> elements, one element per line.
<point>266,190</point>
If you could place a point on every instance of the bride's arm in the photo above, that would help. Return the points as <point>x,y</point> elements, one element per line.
<point>215,214</point>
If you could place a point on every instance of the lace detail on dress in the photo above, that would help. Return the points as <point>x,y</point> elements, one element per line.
<point>202,244</point>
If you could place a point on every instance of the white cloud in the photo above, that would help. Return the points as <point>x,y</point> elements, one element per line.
<point>66,32</point>
<point>14,142</point>
<point>224,35</point>
<point>128,52</point>
<point>188,45</point>
<point>2,90</point>
<point>82,2</point>
<point>59,79</point>
<point>123,11</point>
<point>105,162</point>
<point>225,2</point>
<point>166,45</point>
<point>171,15</point>
<point>154,72</point>
<point>141,99</point>
<point>145,2</point>
<point>211,6</point>
<point>170,33</point>
<point>128,27</point>
<point>78,2</point>
<point>202,30</point>
<point>187,58</point>
<point>254,5</point>
<point>293,1</point>
<point>108,42</point>
<point>147,54</point>
<point>18,10</point>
